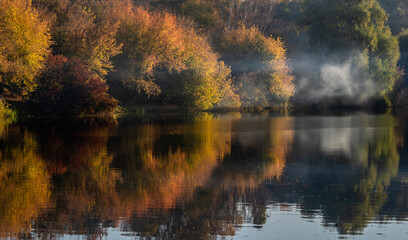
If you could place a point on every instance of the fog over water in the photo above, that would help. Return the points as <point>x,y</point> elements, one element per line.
<point>331,77</point>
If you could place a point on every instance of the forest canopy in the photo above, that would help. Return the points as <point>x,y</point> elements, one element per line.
<point>199,54</point>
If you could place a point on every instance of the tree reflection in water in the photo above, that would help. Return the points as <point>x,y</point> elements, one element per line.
<point>202,176</point>
<point>24,182</point>
<point>347,186</point>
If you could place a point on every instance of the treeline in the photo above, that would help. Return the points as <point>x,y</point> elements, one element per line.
<point>83,57</point>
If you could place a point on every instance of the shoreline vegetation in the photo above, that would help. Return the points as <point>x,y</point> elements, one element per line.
<point>65,58</point>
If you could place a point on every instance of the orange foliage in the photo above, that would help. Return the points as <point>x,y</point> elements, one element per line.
<point>150,41</point>
<point>172,176</point>
<point>144,173</point>
<point>281,138</point>
<point>159,49</point>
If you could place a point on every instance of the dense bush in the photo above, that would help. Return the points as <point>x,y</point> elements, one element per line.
<point>68,87</point>
<point>7,115</point>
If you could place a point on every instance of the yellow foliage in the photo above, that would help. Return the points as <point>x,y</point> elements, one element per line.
<point>150,40</point>
<point>156,44</point>
<point>259,64</point>
<point>149,168</point>
<point>24,184</point>
<point>207,81</point>
<point>24,42</point>
<point>86,35</point>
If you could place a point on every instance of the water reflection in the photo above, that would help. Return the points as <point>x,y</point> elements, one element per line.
<point>24,183</point>
<point>202,176</point>
<point>349,183</point>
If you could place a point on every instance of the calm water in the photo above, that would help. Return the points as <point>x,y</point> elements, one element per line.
<point>231,176</point>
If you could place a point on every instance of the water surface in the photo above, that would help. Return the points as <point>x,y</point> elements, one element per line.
<point>232,176</point>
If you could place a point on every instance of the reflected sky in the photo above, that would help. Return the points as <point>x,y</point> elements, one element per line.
<point>233,176</point>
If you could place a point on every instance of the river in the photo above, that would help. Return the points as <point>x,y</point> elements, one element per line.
<point>207,176</point>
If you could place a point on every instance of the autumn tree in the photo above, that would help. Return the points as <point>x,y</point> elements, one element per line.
<point>150,41</point>
<point>164,56</point>
<point>24,43</point>
<point>205,82</point>
<point>80,29</point>
<point>259,65</point>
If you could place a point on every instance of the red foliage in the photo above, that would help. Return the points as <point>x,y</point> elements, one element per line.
<point>68,87</point>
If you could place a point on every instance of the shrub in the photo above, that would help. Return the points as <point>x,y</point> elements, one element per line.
<point>7,115</point>
<point>68,87</point>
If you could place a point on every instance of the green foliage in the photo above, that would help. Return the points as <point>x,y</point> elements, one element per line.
<point>343,23</point>
<point>403,44</point>
<point>380,162</point>
<point>259,66</point>
<point>355,25</point>
<point>68,87</point>
<point>399,94</point>
<point>24,43</point>
<point>7,115</point>
<point>398,14</point>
